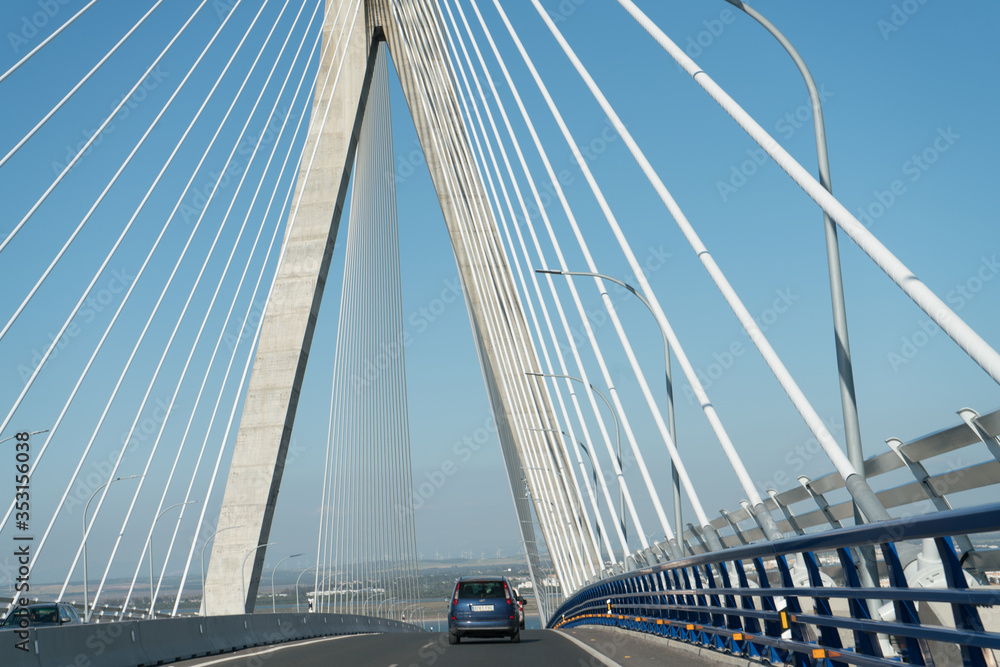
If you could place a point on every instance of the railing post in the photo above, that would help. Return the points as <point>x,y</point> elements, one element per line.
<point>971,417</point>
<point>789,517</point>
<point>923,478</point>
<point>735,526</point>
<point>966,615</point>
<point>821,502</point>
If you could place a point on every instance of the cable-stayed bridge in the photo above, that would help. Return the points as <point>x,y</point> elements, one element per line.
<point>176,190</point>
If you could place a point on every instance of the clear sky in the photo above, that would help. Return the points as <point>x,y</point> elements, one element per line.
<point>910,92</point>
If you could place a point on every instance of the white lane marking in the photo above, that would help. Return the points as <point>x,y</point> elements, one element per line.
<point>605,660</point>
<point>427,645</point>
<point>274,649</point>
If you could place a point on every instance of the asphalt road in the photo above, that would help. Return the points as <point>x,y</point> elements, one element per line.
<point>537,647</point>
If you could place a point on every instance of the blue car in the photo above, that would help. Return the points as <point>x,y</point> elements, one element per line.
<point>483,607</point>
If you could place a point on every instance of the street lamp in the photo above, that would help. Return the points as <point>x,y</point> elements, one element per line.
<point>842,343</point>
<point>151,601</point>
<point>593,469</point>
<point>204,599</point>
<point>297,586</point>
<point>671,425</point>
<point>86,509</point>
<point>618,442</point>
<point>243,577</point>
<point>273,606</point>
<point>30,434</point>
<point>852,430</point>
<point>378,608</point>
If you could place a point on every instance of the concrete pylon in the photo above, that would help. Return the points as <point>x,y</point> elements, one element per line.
<point>287,331</point>
<point>411,29</point>
<point>413,33</point>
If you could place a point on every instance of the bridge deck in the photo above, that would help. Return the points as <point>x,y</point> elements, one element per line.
<point>576,648</point>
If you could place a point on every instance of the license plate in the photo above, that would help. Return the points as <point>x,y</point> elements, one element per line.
<point>482,607</point>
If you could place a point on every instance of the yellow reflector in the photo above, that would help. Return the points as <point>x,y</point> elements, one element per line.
<point>784,620</point>
<point>819,653</point>
<point>738,636</point>
<point>689,627</point>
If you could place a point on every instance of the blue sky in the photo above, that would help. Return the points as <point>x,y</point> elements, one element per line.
<point>910,96</point>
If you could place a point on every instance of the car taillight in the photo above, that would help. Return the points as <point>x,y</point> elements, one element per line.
<point>454,598</point>
<point>506,592</point>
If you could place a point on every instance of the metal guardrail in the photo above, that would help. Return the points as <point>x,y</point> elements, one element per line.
<point>975,430</point>
<point>140,643</point>
<point>715,600</point>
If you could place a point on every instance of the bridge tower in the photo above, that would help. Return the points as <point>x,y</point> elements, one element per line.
<point>412,31</point>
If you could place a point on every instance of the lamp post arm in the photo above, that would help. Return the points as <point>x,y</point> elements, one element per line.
<point>852,428</point>
<point>243,577</point>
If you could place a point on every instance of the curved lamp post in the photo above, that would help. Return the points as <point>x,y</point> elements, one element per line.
<point>671,419</point>
<point>204,600</point>
<point>152,528</point>
<point>593,469</point>
<point>243,577</point>
<point>86,509</point>
<point>44,430</point>
<point>297,580</point>
<point>852,430</point>
<point>273,605</point>
<point>842,343</point>
<point>618,442</point>
<point>378,608</point>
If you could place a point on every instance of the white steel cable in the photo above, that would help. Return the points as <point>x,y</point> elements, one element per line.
<point>160,363</point>
<point>534,277</point>
<point>559,482</point>
<point>583,315</point>
<point>345,341</point>
<point>225,217</point>
<point>69,320</point>
<point>118,173</point>
<point>661,425</point>
<point>103,125</point>
<point>40,45</point>
<point>538,452</point>
<point>256,290</point>
<point>322,603</point>
<point>348,331</point>
<point>586,322</point>
<point>534,317</point>
<point>74,89</point>
<point>564,562</point>
<point>981,352</point>
<point>487,176</point>
<point>559,309</point>
<point>730,450</point>
<point>402,535</point>
<point>82,299</point>
<point>403,416</point>
<point>284,249</point>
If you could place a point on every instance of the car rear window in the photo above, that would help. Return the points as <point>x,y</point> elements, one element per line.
<point>44,614</point>
<point>481,589</point>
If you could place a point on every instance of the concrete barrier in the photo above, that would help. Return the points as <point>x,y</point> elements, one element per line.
<point>143,643</point>
<point>160,639</point>
<point>90,645</point>
<point>11,655</point>
<point>233,632</point>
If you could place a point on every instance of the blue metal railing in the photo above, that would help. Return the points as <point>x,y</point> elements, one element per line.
<point>709,599</point>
